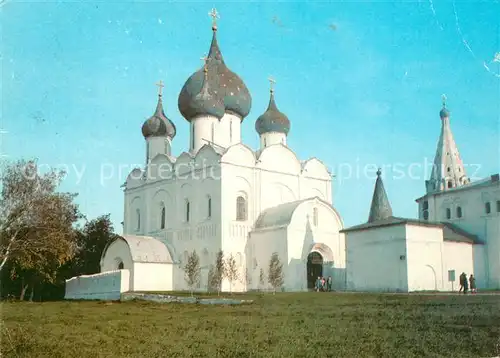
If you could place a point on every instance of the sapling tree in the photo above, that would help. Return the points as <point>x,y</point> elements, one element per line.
<point>276,277</point>
<point>219,271</point>
<point>192,271</point>
<point>232,271</point>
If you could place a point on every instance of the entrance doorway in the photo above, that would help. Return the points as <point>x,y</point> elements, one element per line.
<point>314,268</point>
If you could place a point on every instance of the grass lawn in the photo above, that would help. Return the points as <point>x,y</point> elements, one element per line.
<point>282,325</point>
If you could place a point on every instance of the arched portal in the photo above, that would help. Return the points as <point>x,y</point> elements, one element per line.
<point>314,268</point>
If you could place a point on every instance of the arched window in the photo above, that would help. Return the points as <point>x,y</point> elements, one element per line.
<point>187,211</point>
<point>487,207</point>
<point>265,143</point>
<point>209,207</point>
<point>241,208</point>
<point>162,217</point>
<point>213,131</point>
<point>448,213</point>
<point>138,218</point>
<point>192,136</point>
<point>498,206</point>
<point>230,130</point>
<point>459,212</point>
<point>120,265</point>
<point>315,216</point>
<point>450,184</point>
<point>147,152</point>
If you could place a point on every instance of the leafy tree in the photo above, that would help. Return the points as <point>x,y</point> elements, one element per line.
<point>192,270</point>
<point>276,277</point>
<point>219,271</point>
<point>36,223</point>
<point>262,278</point>
<point>232,271</point>
<point>91,242</point>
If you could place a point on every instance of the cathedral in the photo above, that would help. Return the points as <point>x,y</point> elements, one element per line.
<point>220,194</point>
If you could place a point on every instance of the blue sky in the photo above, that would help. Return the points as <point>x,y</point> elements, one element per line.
<point>360,82</point>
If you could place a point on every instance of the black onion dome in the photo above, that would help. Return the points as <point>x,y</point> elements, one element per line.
<point>272,120</point>
<point>158,125</point>
<point>444,113</point>
<point>222,84</point>
<point>206,101</point>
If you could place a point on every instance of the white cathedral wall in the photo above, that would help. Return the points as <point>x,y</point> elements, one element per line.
<point>224,132</point>
<point>270,138</point>
<point>263,244</point>
<point>152,276</point>
<point>193,185</point>
<point>373,259</point>
<point>425,257</point>
<point>303,234</point>
<point>228,131</point>
<point>475,221</point>
<point>157,145</point>
<point>458,256</point>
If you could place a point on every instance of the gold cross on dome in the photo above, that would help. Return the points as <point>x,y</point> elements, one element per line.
<point>272,82</point>
<point>160,86</point>
<point>443,98</point>
<point>214,15</point>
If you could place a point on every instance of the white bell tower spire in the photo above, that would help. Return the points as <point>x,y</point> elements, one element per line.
<point>448,171</point>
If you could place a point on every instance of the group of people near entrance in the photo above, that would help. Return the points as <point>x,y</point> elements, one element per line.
<point>323,284</point>
<point>466,284</point>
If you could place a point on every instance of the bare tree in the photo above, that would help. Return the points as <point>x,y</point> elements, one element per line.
<point>192,271</point>
<point>276,277</point>
<point>219,271</point>
<point>232,271</point>
<point>36,223</point>
<point>262,278</point>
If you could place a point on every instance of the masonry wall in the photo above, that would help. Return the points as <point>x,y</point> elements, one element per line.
<point>103,286</point>
<point>424,257</point>
<point>460,258</point>
<point>374,259</point>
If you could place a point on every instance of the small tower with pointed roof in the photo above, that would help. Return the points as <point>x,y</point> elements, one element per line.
<point>448,171</point>
<point>158,130</point>
<point>273,126</point>
<point>380,208</point>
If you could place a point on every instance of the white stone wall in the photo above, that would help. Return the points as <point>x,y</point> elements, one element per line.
<point>270,138</point>
<point>153,277</point>
<point>374,259</point>
<point>474,220</point>
<point>224,132</point>
<point>459,257</point>
<point>263,244</point>
<point>102,286</point>
<point>425,255</point>
<point>304,234</point>
<point>274,177</point>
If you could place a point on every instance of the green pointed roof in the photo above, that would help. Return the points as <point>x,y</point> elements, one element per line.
<point>381,208</point>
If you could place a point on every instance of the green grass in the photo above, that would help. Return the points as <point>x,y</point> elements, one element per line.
<point>281,325</point>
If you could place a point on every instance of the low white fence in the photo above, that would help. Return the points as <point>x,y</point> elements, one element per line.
<point>102,286</point>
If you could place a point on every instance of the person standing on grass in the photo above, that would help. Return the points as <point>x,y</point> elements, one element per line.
<point>323,284</point>
<point>463,278</point>
<point>472,282</point>
<point>318,284</point>
<point>466,285</point>
<point>329,283</point>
